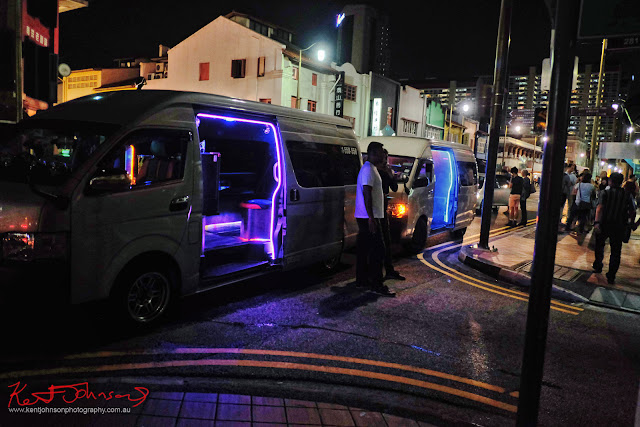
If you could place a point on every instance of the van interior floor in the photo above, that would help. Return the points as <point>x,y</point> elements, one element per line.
<point>226,253</point>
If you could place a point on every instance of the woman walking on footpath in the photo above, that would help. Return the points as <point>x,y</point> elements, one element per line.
<point>581,209</point>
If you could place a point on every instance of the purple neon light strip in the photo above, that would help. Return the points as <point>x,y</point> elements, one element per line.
<point>278,147</point>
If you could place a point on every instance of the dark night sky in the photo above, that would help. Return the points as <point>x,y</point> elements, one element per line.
<point>430,39</point>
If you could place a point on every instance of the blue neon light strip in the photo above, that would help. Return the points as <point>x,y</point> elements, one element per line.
<point>451,178</point>
<point>276,134</point>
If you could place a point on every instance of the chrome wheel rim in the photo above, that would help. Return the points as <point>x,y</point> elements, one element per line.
<point>148,297</point>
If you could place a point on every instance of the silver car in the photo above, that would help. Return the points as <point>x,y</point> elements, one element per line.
<point>501,192</point>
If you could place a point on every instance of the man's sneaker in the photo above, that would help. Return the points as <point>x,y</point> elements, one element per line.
<point>611,280</point>
<point>394,275</point>
<point>384,291</point>
<point>597,270</point>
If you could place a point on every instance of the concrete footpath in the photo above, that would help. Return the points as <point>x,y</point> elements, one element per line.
<point>574,279</point>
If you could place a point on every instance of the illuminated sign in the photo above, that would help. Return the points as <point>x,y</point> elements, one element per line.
<point>338,105</point>
<point>375,117</point>
<point>339,19</point>
<point>35,30</point>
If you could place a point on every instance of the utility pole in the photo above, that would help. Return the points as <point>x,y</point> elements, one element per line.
<point>499,86</point>
<point>562,59</point>
<point>596,119</point>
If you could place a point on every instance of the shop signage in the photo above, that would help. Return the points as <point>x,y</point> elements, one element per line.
<point>35,30</point>
<point>338,106</point>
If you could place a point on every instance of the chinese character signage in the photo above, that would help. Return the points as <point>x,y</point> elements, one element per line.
<point>338,107</point>
<point>375,116</point>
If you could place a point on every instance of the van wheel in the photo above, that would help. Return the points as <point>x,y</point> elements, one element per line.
<point>419,238</point>
<point>143,294</point>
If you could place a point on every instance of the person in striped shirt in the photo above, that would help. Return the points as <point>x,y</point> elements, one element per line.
<point>613,215</point>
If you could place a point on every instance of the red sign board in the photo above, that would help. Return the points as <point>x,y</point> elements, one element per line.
<point>37,32</point>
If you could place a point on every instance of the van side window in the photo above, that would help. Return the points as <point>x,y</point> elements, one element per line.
<point>424,175</point>
<point>467,173</point>
<point>150,156</point>
<point>323,165</point>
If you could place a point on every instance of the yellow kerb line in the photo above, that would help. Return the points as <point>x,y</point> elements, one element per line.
<point>435,255</point>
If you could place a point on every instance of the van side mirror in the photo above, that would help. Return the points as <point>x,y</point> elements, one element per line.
<point>110,181</point>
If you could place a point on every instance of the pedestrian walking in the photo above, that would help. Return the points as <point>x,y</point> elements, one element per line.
<point>604,181</point>
<point>369,213</point>
<point>614,215</point>
<point>566,189</point>
<point>388,184</point>
<point>515,184</point>
<point>581,210</point>
<point>526,192</point>
<point>574,180</point>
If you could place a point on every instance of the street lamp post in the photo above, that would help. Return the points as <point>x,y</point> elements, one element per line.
<point>321,56</point>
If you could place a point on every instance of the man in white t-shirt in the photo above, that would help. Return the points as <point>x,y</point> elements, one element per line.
<point>369,212</point>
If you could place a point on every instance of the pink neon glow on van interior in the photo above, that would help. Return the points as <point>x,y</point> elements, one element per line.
<point>217,222</point>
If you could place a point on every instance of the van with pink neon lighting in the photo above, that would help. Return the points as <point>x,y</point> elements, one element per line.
<point>139,197</point>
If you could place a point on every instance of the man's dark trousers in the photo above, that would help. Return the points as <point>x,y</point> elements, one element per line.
<point>370,255</point>
<point>615,233</point>
<point>523,209</point>
<point>386,236</point>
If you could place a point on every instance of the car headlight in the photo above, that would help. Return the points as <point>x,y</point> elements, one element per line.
<point>32,246</point>
<point>397,210</point>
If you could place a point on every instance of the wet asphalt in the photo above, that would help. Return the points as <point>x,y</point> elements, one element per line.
<point>459,333</point>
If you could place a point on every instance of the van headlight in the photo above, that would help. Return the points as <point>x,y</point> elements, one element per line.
<point>397,210</point>
<point>32,246</point>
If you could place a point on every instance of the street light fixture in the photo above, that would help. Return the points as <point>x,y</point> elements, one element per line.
<point>321,57</point>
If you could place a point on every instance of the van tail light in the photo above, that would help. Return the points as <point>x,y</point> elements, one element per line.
<point>397,210</point>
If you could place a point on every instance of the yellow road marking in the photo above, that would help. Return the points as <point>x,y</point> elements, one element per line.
<point>488,286</point>
<point>435,255</point>
<point>360,361</point>
<point>274,365</point>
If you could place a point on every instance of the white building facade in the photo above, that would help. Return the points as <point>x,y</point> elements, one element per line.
<point>227,58</point>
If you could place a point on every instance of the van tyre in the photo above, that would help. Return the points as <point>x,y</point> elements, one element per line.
<point>143,293</point>
<point>419,238</point>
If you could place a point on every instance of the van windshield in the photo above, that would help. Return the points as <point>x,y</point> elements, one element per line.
<point>47,153</point>
<point>401,166</point>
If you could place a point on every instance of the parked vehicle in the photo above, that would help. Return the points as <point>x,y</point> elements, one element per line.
<point>144,196</point>
<point>501,192</point>
<point>436,190</point>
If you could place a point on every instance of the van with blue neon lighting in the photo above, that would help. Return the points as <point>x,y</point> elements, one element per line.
<point>437,184</point>
<point>139,197</point>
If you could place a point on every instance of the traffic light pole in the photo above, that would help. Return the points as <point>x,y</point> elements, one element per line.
<point>563,54</point>
<point>499,86</point>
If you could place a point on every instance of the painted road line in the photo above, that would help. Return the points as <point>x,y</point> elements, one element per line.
<point>469,238</point>
<point>500,288</point>
<point>460,279</point>
<point>435,257</point>
<point>199,350</point>
<point>274,365</point>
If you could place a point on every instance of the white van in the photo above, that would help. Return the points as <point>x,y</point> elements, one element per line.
<point>142,196</point>
<point>437,184</point>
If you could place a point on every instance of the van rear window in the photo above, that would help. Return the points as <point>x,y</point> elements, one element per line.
<point>467,173</point>
<point>323,165</point>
